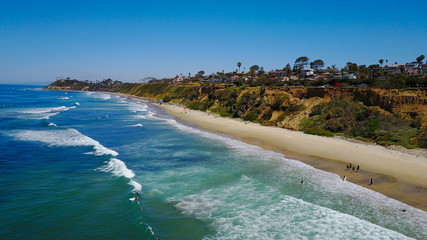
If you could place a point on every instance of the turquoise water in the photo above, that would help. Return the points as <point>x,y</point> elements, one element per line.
<point>72,162</point>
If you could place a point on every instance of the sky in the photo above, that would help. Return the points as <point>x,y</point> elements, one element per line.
<point>129,40</point>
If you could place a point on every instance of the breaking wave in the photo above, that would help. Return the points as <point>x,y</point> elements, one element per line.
<point>42,113</point>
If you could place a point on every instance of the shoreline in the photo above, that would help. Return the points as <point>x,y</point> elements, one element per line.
<point>397,173</point>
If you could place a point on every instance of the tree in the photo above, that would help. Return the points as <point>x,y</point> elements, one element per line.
<point>239,64</point>
<point>351,67</point>
<point>253,69</point>
<point>288,69</point>
<point>420,59</point>
<point>301,62</point>
<point>147,79</point>
<point>381,61</point>
<point>333,67</point>
<point>317,64</point>
<point>200,74</point>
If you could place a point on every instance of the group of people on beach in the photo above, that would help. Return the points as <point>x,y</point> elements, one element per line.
<point>351,167</point>
<point>354,168</point>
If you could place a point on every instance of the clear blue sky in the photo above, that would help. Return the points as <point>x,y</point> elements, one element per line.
<point>129,40</point>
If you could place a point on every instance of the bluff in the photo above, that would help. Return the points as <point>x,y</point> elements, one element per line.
<point>387,117</point>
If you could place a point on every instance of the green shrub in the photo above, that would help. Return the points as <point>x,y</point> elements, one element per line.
<point>318,131</point>
<point>251,115</point>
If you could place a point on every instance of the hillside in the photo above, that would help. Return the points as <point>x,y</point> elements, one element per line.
<point>386,117</point>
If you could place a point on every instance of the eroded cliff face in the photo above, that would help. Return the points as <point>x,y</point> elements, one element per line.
<point>409,104</point>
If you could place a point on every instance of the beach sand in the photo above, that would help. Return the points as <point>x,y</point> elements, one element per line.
<point>397,173</point>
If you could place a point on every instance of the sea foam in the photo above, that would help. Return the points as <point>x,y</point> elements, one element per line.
<point>41,113</point>
<point>249,210</point>
<point>63,138</point>
<point>103,96</point>
<point>137,107</point>
<point>136,125</point>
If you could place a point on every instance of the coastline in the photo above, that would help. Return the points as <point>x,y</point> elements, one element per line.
<point>397,173</point>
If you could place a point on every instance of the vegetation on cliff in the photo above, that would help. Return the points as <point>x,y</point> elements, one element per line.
<point>386,117</point>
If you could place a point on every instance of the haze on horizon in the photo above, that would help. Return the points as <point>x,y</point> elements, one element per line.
<point>42,40</point>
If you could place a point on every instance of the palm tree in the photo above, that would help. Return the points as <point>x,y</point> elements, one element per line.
<point>381,61</point>
<point>239,64</point>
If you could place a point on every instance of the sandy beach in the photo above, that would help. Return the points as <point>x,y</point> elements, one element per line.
<point>399,174</point>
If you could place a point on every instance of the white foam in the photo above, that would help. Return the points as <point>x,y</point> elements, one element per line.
<point>103,96</point>
<point>136,125</point>
<point>151,230</point>
<point>77,103</point>
<point>42,113</point>
<point>137,107</point>
<point>63,98</point>
<point>249,210</point>
<point>52,125</point>
<point>136,185</point>
<point>118,168</point>
<point>139,116</point>
<point>44,110</point>
<point>62,138</point>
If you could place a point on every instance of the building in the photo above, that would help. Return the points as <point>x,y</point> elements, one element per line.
<point>278,74</point>
<point>307,72</point>
<point>349,76</point>
<point>394,69</point>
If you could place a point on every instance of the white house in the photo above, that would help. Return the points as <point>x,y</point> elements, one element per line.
<point>307,72</point>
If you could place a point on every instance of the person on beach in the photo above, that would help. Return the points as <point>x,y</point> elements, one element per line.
<point>344,178</point>
<point>353,168</point>
<point>357,169</point>
<point>371,182</point>
<point>347,167</point>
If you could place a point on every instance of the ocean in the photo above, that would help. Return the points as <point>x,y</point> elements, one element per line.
<point>84,165</point>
